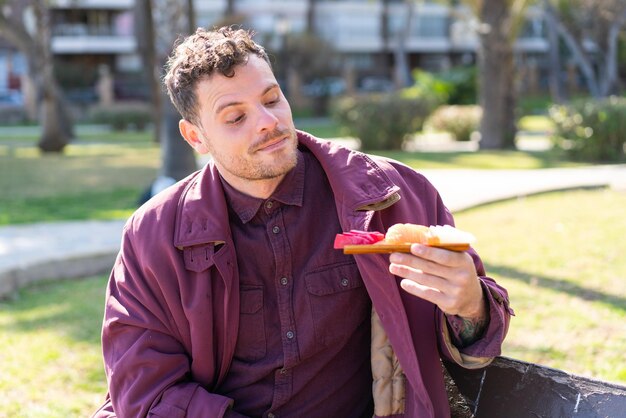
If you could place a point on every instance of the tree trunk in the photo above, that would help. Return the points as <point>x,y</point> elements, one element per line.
<point>310,17</point>
<point>554,57</point>
<point>146,35</point>
<point>177,157</point>
<point>576,49</point>
<point>496,78</point>
<point>402,70</point>
<point>385,34</point>
<point>230,8</point>
<point>191,16</point>
<point>610,79</point>
<point>56,129</point>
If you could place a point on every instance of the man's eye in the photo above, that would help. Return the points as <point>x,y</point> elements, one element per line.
<point>235,120</point>
<point>272,102</point>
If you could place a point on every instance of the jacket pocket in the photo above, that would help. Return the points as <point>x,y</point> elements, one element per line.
<point>338,302</point>
<point>251,344</point>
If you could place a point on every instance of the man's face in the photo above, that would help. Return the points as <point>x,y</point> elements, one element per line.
<point>246,125</point>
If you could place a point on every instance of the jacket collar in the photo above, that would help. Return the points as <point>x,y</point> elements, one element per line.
<point>201,210</point>
<point>360,184</point>
<point>202,206</point>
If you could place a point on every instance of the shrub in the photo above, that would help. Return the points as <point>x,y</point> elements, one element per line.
<point>463,85</point>
<point>13,115</point>
<point>122,116</point>
<point>458,120</point>
<point>591,129</point>
<point>426,84</point>
<point>381,121</point>
<point>456,86</point>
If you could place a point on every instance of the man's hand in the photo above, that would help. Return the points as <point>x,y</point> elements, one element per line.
<point>446,278</point>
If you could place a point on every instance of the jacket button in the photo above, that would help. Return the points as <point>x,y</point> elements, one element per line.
<point>345,282</point>
<point>290,335</point>
<point>284,281</point>
<point>276,230</point>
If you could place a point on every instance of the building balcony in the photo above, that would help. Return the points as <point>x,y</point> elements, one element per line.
<point>94,4</point>
<point>86,44</point>
<point>356,27</point>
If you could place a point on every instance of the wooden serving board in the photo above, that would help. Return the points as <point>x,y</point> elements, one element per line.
<point>396,248</point>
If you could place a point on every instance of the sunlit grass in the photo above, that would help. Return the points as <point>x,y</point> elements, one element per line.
<point>536,123</point>
<point>561,256</point>
<point>94,205</point>
<point>51,359</point>
<point>88,181</point>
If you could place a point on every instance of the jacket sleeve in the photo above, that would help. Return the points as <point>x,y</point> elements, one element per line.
<point>147,366</point>
<point>423,204</point>
<point>481,352</point>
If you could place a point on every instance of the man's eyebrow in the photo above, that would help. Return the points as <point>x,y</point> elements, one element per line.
<point>225,105</point>
<point>270,87</point>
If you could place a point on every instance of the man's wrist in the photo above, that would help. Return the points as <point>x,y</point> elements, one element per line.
<point>466,331</point>
<point>469,327</point>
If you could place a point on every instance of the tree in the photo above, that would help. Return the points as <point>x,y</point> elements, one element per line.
<point>178,158</point>
<point>385,36</point>
<point>27,25</point>
<point>171,19</point>
<point>554,57</point>
<point>500,22</point>
<point>145,35</point>
<point>230,8</point>
<point>394,43</point>
<point>402,70</point>
<point>599,22</point>
<point>311,8</point>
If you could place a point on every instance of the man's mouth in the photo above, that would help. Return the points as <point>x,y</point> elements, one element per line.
<point>273,143</point>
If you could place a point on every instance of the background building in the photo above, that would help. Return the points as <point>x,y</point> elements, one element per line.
<point>97,59</point>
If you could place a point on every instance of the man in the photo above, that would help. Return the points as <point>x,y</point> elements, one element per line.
<point>227,298</point>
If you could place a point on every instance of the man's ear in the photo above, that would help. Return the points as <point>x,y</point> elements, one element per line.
<point>192,135</point>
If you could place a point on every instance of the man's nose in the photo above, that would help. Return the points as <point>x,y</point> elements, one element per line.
<point>267,120</point>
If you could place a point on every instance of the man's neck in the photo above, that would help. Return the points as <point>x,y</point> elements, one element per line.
<point>261,189</point>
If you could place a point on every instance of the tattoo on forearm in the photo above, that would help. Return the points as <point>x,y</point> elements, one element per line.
<point>466,331</point>
<point>471,330</point>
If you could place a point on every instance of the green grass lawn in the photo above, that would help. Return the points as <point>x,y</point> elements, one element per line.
<point>93,179</point>
<point>51,359</point>
<point>560,255</point>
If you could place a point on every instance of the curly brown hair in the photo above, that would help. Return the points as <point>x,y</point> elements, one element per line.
<point>202,54</point>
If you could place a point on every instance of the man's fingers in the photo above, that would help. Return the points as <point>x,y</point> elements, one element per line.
<point>427,293</point>
<point>421,277</point>
<point>439,256</point>
<point>455,288</point>
<point>426,265</point>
